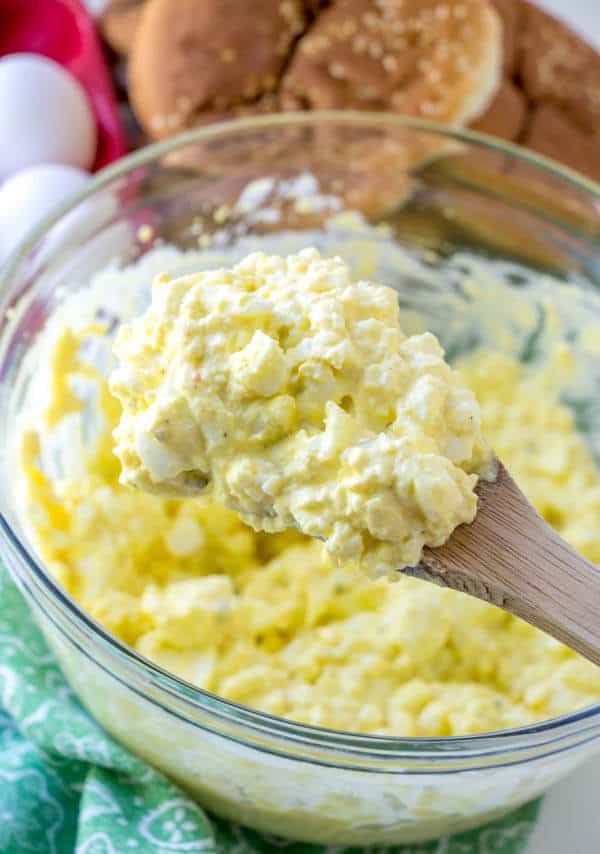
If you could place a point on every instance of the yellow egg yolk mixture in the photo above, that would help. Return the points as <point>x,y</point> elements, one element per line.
<point>270,621</point>
<point>293,392</point>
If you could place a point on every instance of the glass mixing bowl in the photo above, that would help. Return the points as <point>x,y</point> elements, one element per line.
<point>420,208</point>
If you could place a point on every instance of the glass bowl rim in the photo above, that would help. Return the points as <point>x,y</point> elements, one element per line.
<point>392,747</point>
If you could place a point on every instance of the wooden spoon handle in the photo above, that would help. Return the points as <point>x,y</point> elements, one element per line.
<point>509,556</point>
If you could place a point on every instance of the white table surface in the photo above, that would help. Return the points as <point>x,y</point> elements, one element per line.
<point>570,820</point>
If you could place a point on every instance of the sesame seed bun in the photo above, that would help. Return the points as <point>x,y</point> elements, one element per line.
<point>369,170</point>
<point>208,57</point>
<point>553,133</point>
<point>559,68</point>
<point>549,100</point>
<point>437,60</point>
<point>491,64</point>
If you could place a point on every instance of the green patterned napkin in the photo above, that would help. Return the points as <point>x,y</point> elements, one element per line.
<point>65,786</point>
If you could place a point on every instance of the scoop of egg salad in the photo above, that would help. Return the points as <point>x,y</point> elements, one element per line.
<point>270,621</point>
<point>295,394</point>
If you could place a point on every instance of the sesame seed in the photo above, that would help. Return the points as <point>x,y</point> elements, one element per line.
<point>370,20</point>
<point>251,89</point>
<point>390,63</point>
<point>375,51</point>
<point>222,214</point>
<point>430,256</point>
<point>429,108</point>
<point>158,122</point>
<point>337,71</point>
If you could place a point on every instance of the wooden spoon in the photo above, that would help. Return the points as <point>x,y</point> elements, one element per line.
<point>509,556</point>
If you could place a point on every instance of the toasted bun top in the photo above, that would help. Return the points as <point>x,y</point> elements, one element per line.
<point>199,56</point>
<point>559,68</point>
<point>437,59</point>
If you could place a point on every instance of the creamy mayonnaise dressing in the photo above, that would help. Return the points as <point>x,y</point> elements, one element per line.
<point>269,620</point>
<point>293,393</point>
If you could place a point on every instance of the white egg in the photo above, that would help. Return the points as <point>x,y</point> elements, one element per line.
<point>45,114</point>
<point>32,194</point>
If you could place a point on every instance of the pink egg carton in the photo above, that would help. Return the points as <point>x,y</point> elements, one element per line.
<point>64,31</point>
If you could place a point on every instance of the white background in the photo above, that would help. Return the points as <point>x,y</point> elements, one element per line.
<point>583,16</point>
<point>570,822</point>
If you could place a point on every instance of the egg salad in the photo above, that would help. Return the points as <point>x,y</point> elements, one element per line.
<point>293,393</point>
<point>270,620</point>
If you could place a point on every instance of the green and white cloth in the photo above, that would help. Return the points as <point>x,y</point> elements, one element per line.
<point>66,787</point>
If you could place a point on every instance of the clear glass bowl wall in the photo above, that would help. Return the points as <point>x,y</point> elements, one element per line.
<point>428,194</point>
